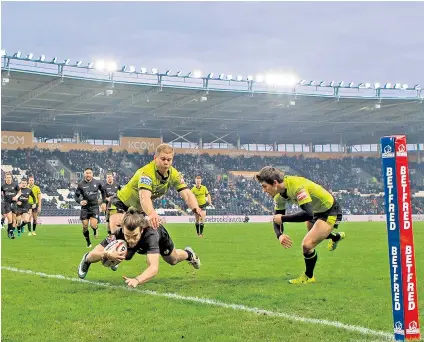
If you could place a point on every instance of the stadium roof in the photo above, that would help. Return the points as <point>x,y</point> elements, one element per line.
<point>58,101</point>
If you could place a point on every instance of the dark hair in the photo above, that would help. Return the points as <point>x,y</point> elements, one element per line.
<point>88,168</point>
<point>198,177</point>
<point>24,180</point>
<point>269,174</point>
<point>134,219</point>
<point>109,173</point>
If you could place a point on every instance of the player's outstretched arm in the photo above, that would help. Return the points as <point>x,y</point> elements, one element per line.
<point>99,253</point>
<point>147,206</point>
<point>305,215</point>
<point>150,272</point>
<point>190,200</point>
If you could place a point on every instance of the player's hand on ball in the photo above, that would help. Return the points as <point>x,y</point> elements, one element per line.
<point>131,282</point>
<point>278,219</point>
<point>285,241</point>
<point>117,255</point>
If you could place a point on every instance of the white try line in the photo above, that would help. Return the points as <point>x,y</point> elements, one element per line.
<point>213,302</point>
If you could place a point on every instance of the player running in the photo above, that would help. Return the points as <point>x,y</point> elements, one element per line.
<point>87,195</point>
<point>36,210</point>
<point>10,192</point>
<point>23,215</point>
<point>316,203</point>
<point>203,198</point>
<point>111,188</point>
<point>140,239</point>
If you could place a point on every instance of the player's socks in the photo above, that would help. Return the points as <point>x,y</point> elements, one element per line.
<point>334,237</point>
<point>29,226</point>
<point>310,261</point>
<point>202,225</point>
<point>94,232</point>
<point>34,225</point>
<point>86,234</point>
<point>10,227</point>
<point>189,253</point>
<point>332,244</point>
<point>2,221</point>
<point>197,228</point>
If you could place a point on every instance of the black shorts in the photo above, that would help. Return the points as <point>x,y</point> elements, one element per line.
<point>8,207</point>
<point>166,245</point>
<point>333,215</point>
<point>88,212</point>
<point>22,210</point>
<point>115,206</point>
<point>203,206</point>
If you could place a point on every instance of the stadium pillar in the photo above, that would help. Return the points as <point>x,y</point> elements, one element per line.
<point>238,143</point>
<point>200,143</point>
<point>274,147</point>
<point>77,137</point>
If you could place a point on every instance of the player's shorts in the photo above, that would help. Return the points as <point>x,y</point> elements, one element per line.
<point>333,216</point>
<point>88,212</point>
<point>8,207</point>
<point>166,245</point>
<point>23,209</point>
<point>115,206</point>
<point>203,206</point>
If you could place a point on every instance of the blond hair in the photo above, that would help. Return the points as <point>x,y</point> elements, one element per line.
<point>164,148</point>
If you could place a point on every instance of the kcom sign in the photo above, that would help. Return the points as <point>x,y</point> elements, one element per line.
<point>14,140</point>
<point>141,145</point>
<point>136,144</point>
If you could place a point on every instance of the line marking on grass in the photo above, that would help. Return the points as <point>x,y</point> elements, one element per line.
<point>212,302</point>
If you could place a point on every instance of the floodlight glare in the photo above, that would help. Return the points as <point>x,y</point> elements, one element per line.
<point>154,71</point>
<point>376,85</point>
<point>404,86</point>
<point>30,56</point>
<point>143,70</point>
<point>229,77</point>
<point>67,61</point>
<point>3,53</point>
<point>259,78</point>
<point>112,66</point>
<point>221,76</point>
<point>249,78</point>
<point>239,77</point>
<point>42,58</point>
<point>197,74</point>
<point>17,54</point>
<point>100,65</point>
<point>131,68</point>
<point>78,64</point>
<point>397,85</point>
<point>367,85</point>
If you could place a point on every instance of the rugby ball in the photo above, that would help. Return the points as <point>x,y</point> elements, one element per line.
<point>116,245</point>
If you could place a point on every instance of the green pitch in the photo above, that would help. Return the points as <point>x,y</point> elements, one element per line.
<point>241,264</point>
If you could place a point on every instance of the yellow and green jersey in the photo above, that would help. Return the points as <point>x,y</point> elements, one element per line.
<point>36,191</point>
<point>149,178</point>
<point>279,202</point>
<point>200,194</point>
<point>301,191</point>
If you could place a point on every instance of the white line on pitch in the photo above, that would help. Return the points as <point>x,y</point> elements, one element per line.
<point>213,302</point>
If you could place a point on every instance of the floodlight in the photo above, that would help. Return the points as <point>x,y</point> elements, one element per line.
<point>221,76</point>
<point>54,60</point>
<point>239,77</point>
<point>302,82</point>
<point>229,77</point>
<point>249,78</point>
<point>100,65</point>
<point>178,73</point>
<point>143,70</point>
<point>350,85</point>
<point>367,85</point>
<point>17,54</point>
<point>404,86</point>
<point>189,74</point>
<point>332,84</point>
<point>341,84</point>
<point>30,56</point>
<point>90,65</point>
<point>78,64</point>
<point>154,71</point>
<point>67,61</point>
<point>322,84</point>
<point>376,85</point>
<point>397,85</point>
<point>387,86</point>
<point>167,72</point>
<point>3,53</point>
<point>197,74</point>
<point>312,83</point>
<point>417,87</point>
<point>210,75</point>
<point>131,68</point>
<point>259,78</point>
<point>42,58</point>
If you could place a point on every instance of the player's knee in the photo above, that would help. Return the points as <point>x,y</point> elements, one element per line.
<point>307,245</point>
<point>172,261</point>
<point>85,228</point>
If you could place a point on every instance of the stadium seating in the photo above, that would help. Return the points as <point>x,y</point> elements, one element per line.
<point>355,181</point>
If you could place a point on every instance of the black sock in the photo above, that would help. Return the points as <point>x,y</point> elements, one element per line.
<point>86,234</point>
<point>190,255</point>
<point>2,221</point>
<point>94,230</point>
<point>334,236</point>
<point>10,227</point>
<point>34,225</point>
<point>21,226</point>
<point>201,228</point>
<point>29,226</point>
<point>197,228</point>
<point>310,261</point>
